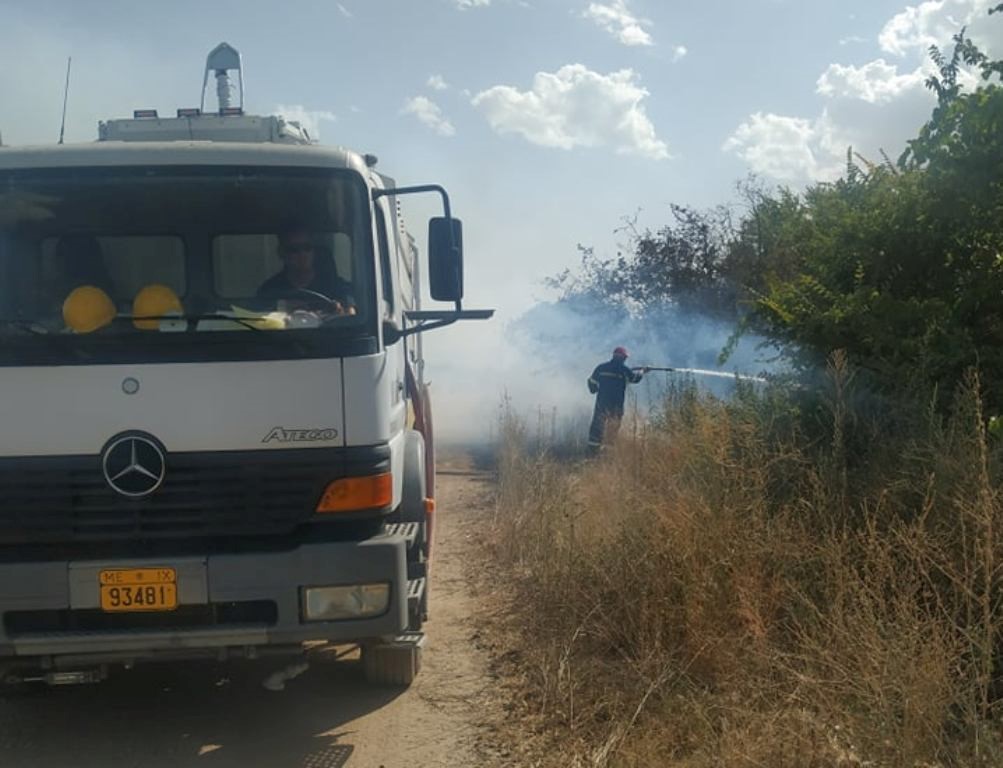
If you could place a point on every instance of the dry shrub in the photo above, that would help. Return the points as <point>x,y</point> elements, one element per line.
<point>725,589</point>
<point>873,656</point>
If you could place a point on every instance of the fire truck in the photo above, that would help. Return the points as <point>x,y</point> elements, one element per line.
<point>216,425</point>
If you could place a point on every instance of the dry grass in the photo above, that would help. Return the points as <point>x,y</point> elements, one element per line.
<point>726,590</point>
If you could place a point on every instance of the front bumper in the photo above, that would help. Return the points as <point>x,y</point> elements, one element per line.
<point>69,590</point>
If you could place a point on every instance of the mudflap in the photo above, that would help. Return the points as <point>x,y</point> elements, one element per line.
<point>393,662</point>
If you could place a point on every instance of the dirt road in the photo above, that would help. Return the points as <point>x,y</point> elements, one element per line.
<point>220,715</point>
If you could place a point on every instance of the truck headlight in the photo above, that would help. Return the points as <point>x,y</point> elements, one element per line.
<point>356,601</point>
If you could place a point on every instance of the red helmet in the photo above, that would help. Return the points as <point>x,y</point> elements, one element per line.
<point>621,352</point>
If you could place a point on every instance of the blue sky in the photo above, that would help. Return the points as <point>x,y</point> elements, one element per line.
<point>637,104</point>
<point>548,120</point>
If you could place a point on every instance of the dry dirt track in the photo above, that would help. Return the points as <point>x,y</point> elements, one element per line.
<point>213,715</point>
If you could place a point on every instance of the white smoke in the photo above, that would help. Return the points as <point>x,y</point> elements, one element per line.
<point>539,362</point>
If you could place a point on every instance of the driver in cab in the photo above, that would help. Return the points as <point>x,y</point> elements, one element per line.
<point>307,278</point>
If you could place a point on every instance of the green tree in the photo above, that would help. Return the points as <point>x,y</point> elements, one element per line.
<point>685,264</point>
<point>900,265</point>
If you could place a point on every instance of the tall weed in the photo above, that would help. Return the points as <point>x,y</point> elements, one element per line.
<point>763,581</point>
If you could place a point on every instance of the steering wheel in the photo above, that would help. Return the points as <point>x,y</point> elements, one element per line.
<point>313,300</point>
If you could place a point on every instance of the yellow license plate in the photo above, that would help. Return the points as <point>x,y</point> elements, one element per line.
<point>139,589</point>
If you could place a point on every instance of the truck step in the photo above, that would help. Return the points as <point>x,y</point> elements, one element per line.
<point>415,590</point>
<point>409,531</point>
<point>406,640</point>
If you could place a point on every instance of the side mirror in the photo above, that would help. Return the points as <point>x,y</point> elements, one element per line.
<point>445,259</point>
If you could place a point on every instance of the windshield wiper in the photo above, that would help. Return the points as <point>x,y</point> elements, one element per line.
<point>28,328</point>
<point>247,322</point>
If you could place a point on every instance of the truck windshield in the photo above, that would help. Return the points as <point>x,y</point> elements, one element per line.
<point>183,257</point>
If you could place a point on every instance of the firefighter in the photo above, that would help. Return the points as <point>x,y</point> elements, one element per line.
<point>608,383</point>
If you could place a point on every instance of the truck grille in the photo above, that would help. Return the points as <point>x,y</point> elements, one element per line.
<point>250,493</point>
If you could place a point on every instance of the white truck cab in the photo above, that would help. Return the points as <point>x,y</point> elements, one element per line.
<point>216,429</point>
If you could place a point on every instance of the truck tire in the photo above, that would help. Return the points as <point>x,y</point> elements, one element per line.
<point>391,665</point>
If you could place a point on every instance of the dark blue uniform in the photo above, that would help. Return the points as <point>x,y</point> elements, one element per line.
<point>608,383</point>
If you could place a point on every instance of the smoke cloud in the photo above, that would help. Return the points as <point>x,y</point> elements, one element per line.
<point>538,363</point>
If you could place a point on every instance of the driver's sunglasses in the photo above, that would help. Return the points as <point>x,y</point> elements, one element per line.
<point>297,247</point>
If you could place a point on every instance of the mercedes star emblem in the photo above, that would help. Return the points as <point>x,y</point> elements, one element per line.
<point>134,465</point>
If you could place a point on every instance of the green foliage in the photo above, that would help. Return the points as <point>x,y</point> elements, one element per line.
<point>901,266</point>
<point>686,262</point>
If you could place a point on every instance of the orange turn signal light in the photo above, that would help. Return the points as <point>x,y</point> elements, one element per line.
<point>349,494</point>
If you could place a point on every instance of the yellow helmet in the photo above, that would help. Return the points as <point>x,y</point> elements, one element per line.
<point>154,301</point>
<point>88,308</point>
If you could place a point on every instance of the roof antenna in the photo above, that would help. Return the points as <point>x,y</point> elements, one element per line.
<point>220,61</point>
<point>66,93</point>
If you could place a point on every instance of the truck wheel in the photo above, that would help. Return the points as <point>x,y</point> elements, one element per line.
<point>391,665</point>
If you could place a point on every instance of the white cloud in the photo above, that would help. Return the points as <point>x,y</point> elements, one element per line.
<point>873,107</point>
<point>575,107</point>
<point>918,26</point>
<point>933,22</point>
<point>786,148</point>
<point>428,114</point>
<point>875,82</point>
<point>310,119</point>
<point>678,53</point>
<point>617,19</point>
<point>437,83</point>
<point>465,4</point>
<point>344,11</point>
<point>852,39</point>
<point>804,149</point>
